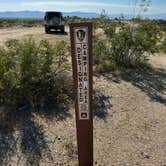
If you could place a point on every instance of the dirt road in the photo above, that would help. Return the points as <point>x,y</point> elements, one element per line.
<point>36,33</point>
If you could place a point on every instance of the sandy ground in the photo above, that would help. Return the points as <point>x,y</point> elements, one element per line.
<point>158,60</point>
<point>36,33</point>
<point>129,121</point>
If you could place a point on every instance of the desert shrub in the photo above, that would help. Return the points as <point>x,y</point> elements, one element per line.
<point>131,43</point>
<point>101,54</point>
<point>101,22</point>
<point>104,19</point>
<point>163,44</point>
<point>8,73</point>
<point>127,44</point>
<point>4,23</point>
<point>162,24</point>
<point>33,74</point>
<point>100,50</point>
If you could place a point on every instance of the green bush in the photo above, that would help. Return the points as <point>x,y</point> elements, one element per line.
<point>101,54</point>
<point>33,74</point>
<point>163,44</point>
<point>100,50</point>
<point>127,44</point>
<point>4,23</point>
<point>130,47</point>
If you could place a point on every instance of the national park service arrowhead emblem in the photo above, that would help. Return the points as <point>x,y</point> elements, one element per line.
<point>81,35</point>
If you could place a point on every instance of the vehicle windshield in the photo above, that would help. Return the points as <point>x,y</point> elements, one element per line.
<point>51,15</point>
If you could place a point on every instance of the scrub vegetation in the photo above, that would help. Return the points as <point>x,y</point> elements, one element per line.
<point>8,23</point>
<point>36,74</point>
<point>129,95</point>
<point>128,44</point>
<point>32,74</point>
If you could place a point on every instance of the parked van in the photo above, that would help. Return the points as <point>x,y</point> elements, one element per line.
<point>54,20</point>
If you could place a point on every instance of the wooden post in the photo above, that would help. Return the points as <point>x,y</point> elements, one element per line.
<point>81,50</point>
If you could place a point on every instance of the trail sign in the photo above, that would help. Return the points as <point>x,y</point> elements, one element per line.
<point>81,50</point>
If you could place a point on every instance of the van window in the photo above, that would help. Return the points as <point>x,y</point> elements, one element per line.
<point>52,14</point>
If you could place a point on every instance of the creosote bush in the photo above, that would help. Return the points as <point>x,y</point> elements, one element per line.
<point>101,53</point>
<point>127,44</point>
<point>132,45</point>
<point>34,74</point>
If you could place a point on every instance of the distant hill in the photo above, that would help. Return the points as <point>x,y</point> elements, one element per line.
<point>40,15</point>
<point>82,14</point>
<point>157,16</point>
<point>22,14</point>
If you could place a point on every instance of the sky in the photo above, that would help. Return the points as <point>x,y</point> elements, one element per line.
<point>111,6</point>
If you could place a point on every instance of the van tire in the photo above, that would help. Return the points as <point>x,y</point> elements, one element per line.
<point>47,30</point>
<point>63,30</point>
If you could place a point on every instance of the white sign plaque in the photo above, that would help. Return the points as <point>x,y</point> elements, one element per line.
<point>82,57</point>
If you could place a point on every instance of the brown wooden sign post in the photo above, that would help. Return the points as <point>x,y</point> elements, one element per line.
<point>81,50</point>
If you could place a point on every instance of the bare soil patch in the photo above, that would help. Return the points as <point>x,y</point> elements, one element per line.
<point>37,33</point>
<point>158,60</point>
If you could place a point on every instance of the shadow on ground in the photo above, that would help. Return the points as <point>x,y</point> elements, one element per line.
<point>7,143</point>
<point>33,144</point>
<point>32,141</point>
<point>151,81</point>
<point>7,148</point>
<point>53,112</point>
<point>101,105</point>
